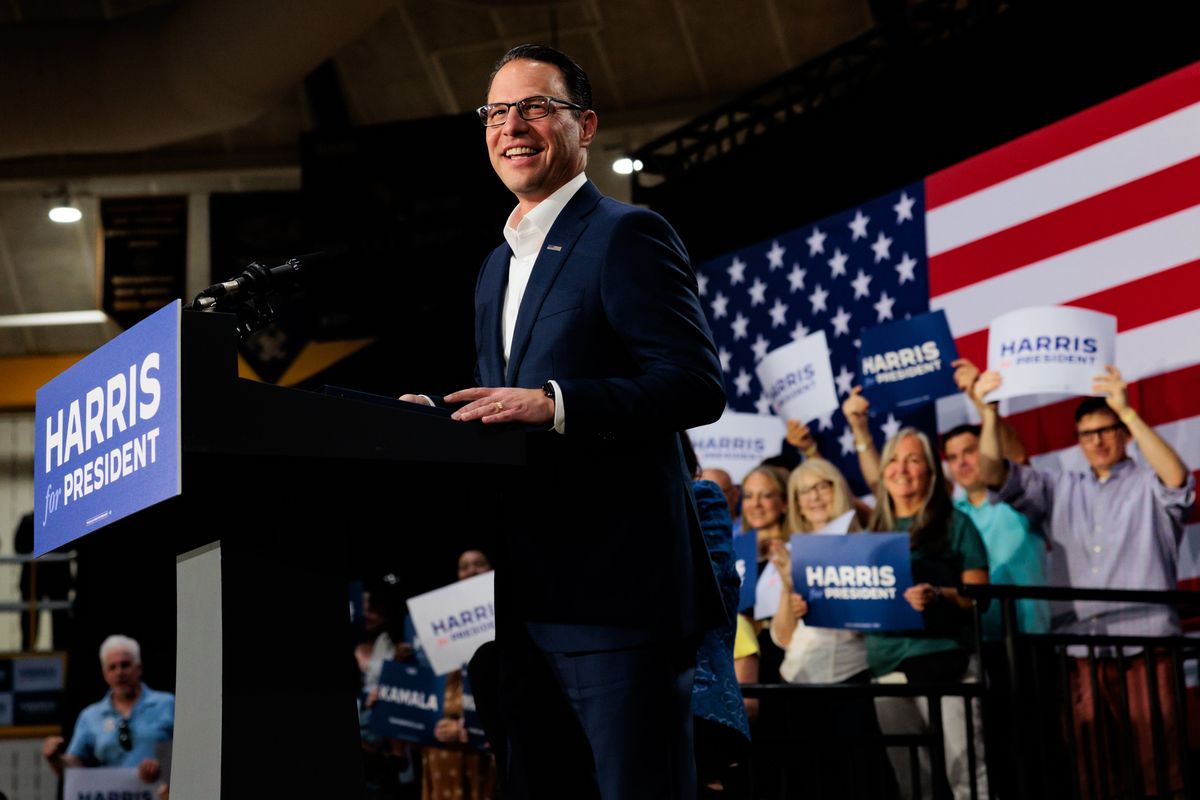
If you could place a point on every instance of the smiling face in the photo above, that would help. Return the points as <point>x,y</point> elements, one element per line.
<point>763,505</point>
<point>907,475</point>
<point>536,157</point>
<point>815,497</point>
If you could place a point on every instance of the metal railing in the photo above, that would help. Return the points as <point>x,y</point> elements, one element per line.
<point>35,605</point>
<point>1031,680</point>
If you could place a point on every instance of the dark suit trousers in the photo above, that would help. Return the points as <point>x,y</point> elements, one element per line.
<point>610,724</point>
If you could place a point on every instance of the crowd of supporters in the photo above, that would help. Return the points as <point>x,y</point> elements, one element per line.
<point>976,512</point>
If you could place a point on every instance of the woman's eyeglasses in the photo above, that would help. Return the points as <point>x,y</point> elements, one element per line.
<point>817,488</point>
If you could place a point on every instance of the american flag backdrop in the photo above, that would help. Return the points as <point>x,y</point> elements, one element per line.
<point>1100,210</point>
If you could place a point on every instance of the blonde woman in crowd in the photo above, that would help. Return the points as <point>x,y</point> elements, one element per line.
<point>818,494</point>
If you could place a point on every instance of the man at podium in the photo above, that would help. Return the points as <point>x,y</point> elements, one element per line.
<point>589,332</point>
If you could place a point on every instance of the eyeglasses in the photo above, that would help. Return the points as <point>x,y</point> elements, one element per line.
<point>493,115</point>
<point>124,735</point>
<point>820,487</point>
<point>1095,434</point>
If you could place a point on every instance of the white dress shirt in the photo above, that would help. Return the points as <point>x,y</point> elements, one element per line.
<point>526,241</point>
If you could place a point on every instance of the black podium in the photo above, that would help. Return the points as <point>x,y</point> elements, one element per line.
<point>287,495</point>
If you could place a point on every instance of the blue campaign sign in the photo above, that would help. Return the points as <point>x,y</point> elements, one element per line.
<point>745,553</point>
<point>106,440</point>
<point>907,364</point>
<point>855,581</point>
<point>409,703</point>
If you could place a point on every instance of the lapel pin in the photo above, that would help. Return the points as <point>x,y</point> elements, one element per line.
<point>554,247</point>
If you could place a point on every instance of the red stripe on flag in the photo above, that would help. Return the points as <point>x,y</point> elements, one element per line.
<point>1102,215</point>
<point>1153,298</point>
<point>1159,399</point>
<point>1124,112</point>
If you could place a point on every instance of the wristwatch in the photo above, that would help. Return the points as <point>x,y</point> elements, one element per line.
<point>548,389</point>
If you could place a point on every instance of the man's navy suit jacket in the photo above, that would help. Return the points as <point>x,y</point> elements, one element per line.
<point>602,544</point>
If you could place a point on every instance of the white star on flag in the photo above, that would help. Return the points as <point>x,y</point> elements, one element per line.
<point>796,277</point>
<point>841,322</point>
<point>905,268</point>
<point>817,298</point>
<point>816,242</point>
<point>858,226</point>
<point>825,423</point>
<point>718,305</point>
<point>778,314</point>
<point>882,248</point>
<point>862,285</point>
<point>742,381</point>
<point>846,440</point>
<point>837,264</point>
<point>760,348</point>
<point>844,380</point>
<point>725,357</point>
<point>758,292</point>
<point>737,271</point>
<point>702,284</point>
<point>775,256</point>
<point>799,332</point>
<point>884,307</point>
<point>891,427</point>
<point>763,405</point>
<point>739,326</point>
<point>904,208</point>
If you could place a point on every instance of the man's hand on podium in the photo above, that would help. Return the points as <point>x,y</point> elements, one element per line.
<point>530,406</point>
<point>419,399</point>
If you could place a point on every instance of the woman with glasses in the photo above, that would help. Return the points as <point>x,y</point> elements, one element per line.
<point>818,495</point>
<point>123,729</point>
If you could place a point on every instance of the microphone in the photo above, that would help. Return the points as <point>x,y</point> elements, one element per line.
<point>257,280</point>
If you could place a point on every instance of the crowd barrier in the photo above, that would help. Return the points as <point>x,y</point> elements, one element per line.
<point>1035,749</point>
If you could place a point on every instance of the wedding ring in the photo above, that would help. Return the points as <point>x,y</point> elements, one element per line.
<point>499,406</point>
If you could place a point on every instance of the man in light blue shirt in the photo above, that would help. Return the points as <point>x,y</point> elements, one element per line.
<point>1117,525</point>
<point>125,727</point>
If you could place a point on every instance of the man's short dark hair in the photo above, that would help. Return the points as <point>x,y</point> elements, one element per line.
<point>1093,405</point>
<point>579,88</point>
<point>959,430</point>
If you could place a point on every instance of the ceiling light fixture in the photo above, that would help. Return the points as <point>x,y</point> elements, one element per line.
<point>52,318</point>
<point>627,166</point>
<point>64,210</point>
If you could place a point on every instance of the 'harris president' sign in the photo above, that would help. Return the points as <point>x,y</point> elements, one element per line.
<point>907,364</point>
<point>453,621</point>
<point>797,379</point>
<point>106,783</point>
<point>1050,350</point>
<point>855,581</point>
<point>106,442</point>
<point>737,443</point>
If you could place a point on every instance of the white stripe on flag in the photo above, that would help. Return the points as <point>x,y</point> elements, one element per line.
<point>1144,150</point>
<point>1135,253</point>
